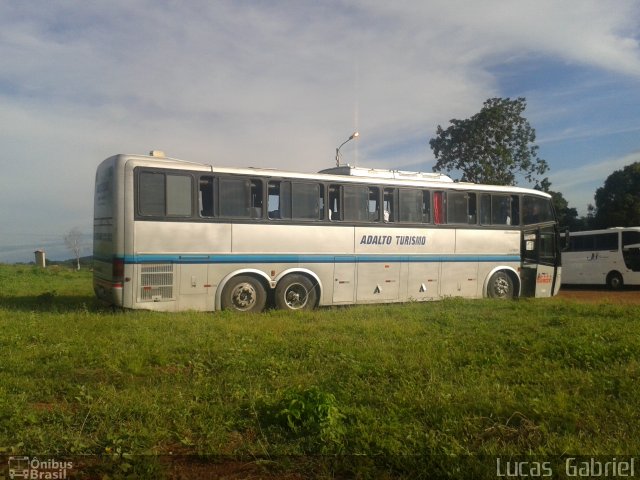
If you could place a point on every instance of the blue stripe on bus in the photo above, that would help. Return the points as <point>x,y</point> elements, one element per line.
<point>292,258</point>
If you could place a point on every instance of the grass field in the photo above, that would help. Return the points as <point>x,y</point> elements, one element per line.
<point>422,389</point>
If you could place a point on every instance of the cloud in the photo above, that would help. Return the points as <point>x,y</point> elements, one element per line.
<point>597,172</point>
<point>579,184</point>
<point>296,76</point>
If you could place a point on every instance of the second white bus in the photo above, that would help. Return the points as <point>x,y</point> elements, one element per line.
<point>603,257</point>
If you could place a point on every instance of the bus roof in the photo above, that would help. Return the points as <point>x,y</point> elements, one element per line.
<point>346,173</point>
<point>350,170</point>
<point>606,230</point>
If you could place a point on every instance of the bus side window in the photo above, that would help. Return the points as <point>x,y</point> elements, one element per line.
<point>439,211</point>
<point>335,202</point>
<point>500,210</point>
<point>151,194</point>
<point>411,205</point>
<point>164,194</point>
<point>279,202</point>
<point>321,202</point>
<point>582,243</point>
<point>305,202</point>
<point>356,203</point>
<point>456,207</point>
<point>515,210</point>
<point>472,209</point>
<point>388,204</point>
<point>374,204</point>
<point>205,196</point>
<point>485,209</point>
<point>496,209</point>
<point>234,197</point>
<point>461,207</point>
<point>607,241</point>
<point>256,198</point>
<point>179,195</point>
<point>426,206</point>
<point>273,199</point>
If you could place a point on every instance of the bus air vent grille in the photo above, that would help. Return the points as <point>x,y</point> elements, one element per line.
<point>156,282</point>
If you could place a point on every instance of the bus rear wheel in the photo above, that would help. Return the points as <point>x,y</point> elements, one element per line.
<point>615,281</point>
<point>500,286</point>
<point>244,293</point>
<point>296,292</point>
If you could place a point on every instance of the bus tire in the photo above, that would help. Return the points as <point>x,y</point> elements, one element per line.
<point>244,293</point>
<point>615,281</point>
<point>501,286</point>
<point>296,292</point>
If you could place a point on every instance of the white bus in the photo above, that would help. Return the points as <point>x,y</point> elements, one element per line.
<point>603,257</point>
<point>172,235</point>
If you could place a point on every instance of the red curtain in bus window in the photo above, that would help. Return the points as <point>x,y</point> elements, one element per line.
<point>438,213</point>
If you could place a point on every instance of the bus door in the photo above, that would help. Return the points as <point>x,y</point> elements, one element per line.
<point>631,250</point>
<point>540,262</point>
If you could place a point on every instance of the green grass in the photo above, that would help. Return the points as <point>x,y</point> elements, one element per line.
<point>371,391</point>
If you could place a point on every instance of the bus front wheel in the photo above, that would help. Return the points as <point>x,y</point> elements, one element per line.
<point>296,292</point>
<point>244,293</point>
<point>500,286</point>
<point>615,281</point>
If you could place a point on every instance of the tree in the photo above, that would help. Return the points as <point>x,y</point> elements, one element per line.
<point>73,241</point>
<point>493,146</point>
<point>567,216</point>
<point>618,201</point>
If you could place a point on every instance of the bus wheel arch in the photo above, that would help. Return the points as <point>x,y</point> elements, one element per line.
<point>297,290</point>
<point>243,291</point>
<point>615,281</point>
<point>502,283</point>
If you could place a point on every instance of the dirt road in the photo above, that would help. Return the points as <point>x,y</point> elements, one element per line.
<point>628,295</point>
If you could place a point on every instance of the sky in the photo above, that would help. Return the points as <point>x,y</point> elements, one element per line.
<point>281,84</point>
